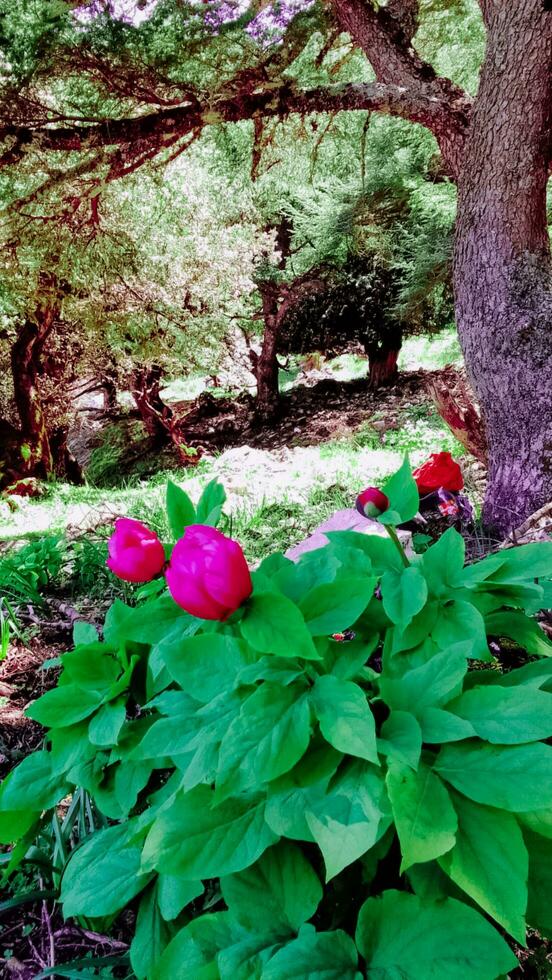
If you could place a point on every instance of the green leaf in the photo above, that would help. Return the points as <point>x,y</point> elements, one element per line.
<point>518,627</point>
<point>211,502</point>
<point>150,622</point>
<point>175,893</point>
<point>193,951</point>
<point>315,956</point>
<point>291,796</point>
<point>539,907</point>
<point>378,548</point>
<point>424,816</point>
<point>402,494</point>
<point>151,935</point>
<point>269,736</point>
<point>525,563</point>
<point>490,863</point>
<point>443,562</point>
<point>401,936</point>
<point>350,817</point>
<point>333,607</point>
<point>461,622</point>
<point>401,738</point>
<point>431,684</point>
<point>277,894</point>
<point>404,594</point>
<point>64,706</point>
<point>33,785</point>
<point>84,633</point>
<point>180,509</point>
<point>205,665</point>
<point>442,726</point>
<point>507,716</point>
<point>346,721</point>
<point>515,778</point>
<point>103,874</point>
<point>197,840</point>
<point>106,724</point>
<point>274,624</point>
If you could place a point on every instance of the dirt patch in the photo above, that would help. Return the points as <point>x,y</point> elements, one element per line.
<point>22,679</point>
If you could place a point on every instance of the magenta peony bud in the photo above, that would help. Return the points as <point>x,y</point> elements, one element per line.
<point>371,502</point>
<point>208,574</point>
<point>135,553</point>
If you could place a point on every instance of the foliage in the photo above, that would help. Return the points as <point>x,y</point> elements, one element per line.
<point>287,799</point>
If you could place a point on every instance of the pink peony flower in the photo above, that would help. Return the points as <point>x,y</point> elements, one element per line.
<point>135,553</point>
<point>208,574</point>
<point>371,502</point>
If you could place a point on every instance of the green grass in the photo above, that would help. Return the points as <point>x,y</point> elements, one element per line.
<point>431,352</point>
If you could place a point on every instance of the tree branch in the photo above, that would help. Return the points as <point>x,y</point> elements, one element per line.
<point>152,133</point>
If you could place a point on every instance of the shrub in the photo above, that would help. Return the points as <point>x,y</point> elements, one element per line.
<point>336,781</point>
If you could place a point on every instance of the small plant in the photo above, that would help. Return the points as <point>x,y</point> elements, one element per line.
<point>328,775</point>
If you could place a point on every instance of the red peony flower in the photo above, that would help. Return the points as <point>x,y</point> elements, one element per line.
<point>135,553</point>
<point>208,574</point>
<point>371,502</point>
<point>439,472</point>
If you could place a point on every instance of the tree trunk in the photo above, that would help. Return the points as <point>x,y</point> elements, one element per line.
<point>502,259</point>
<point>382,360</point>
<point>266,367</point>
<point>36,453</point>
<point>159,420</point>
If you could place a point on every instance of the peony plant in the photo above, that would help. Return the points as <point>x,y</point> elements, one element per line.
<point>316,769</point>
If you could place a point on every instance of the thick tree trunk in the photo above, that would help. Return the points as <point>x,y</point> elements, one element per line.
<point>36,453</point>
<point>382,360</point>
<point>502,259</point>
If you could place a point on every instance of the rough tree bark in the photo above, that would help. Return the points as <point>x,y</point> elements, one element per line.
<point>382,359</point>
<point>502,266</point>
<point>36,453</point>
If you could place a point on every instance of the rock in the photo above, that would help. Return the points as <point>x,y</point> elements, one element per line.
<point>344,520</point>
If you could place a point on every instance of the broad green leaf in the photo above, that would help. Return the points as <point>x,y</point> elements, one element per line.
<point>300,790</point>
<point>378,547</point>
<point>274,624</point>
<point>443,562</point>
<point>431,684</point>
<point>245,958</point>
<point>442,726</point>
<point>269,736</point>
<point>351,816</point>
<point>180,509</point>
<point>402,493</point>
<point>14,824</point>
<point>150,622</point>
<point>84,633</point>
<point>277,894</point>
<point>33,785</point>
<point>103,874</point>
<point>516,626</point>
<point>315,956</point>
<point>205,665</point>
<point>489,862</point>
<point>539,906</point>
<point>197,840</point>
<point>424,816</point>
<point>539,821</point>
<point>401,936</point>
<point>507,716</point>
<point>64,706</point>
<point>404,594</point>
<point>460,622</point>
<point>174,893</point>
<point>525,563</point>
<point>106,724</point>
<point>516,778</point>
<point>333,607</point>
<point>210,504</point>
<point>401,738</point>
<point>346,721</point>
<point>151,935</point>
<point>193,951</point>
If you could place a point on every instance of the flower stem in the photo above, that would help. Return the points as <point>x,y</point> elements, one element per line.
<point>395,539</point>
